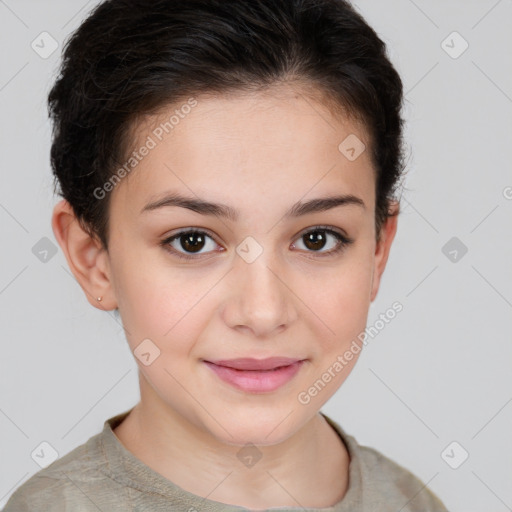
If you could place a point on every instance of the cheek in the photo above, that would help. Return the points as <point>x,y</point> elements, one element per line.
<point>340,301</point>
<point>160,303</point>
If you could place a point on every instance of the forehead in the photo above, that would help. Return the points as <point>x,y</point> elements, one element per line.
<point>282,144</point>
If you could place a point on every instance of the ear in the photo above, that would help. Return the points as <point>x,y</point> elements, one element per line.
<point>383,246</point>
<point>86,257</point>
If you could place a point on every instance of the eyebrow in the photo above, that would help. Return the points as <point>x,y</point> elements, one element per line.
<point>203,207</point>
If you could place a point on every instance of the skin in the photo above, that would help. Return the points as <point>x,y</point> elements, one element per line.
<point>259,153</point>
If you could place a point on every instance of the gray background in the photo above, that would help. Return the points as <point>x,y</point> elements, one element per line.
<point>438,373</point>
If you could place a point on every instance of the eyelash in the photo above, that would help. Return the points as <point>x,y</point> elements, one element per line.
<point>344,242</point>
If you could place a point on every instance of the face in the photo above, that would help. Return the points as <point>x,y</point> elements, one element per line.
<point>274,271</point>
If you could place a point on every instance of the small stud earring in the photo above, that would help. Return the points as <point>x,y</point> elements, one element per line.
<point>99,299</point>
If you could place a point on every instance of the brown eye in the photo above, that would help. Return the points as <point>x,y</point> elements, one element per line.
<point>314,240</point>
<point>192,242</point>
<point>319,238</point>
<point>189,243</point>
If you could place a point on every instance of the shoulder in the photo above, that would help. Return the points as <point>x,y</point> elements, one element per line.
<point>380,483</point>
<point>69,483</point>
<point>390,480</point>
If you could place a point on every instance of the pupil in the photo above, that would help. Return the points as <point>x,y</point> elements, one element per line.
<point>193,242</point>
<point>315,240</point>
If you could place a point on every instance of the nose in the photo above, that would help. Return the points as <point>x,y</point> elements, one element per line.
<point>261,301</point>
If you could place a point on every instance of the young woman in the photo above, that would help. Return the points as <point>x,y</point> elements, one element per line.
<point>228,171</point>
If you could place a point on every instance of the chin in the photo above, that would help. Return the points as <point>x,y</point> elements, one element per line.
<point>257,428</point>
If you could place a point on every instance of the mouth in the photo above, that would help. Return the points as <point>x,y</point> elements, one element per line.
<point>256,376</point>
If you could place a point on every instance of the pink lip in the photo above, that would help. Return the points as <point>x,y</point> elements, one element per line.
<point>257,380</point>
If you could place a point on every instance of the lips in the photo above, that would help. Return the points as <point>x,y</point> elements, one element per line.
<point>250,364</point>
<point>257,375</point>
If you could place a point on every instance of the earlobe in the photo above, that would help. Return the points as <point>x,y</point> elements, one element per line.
<point>87,259</point>
<point>383,248</point>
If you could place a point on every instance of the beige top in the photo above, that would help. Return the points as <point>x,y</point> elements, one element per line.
<point>102,475</point>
